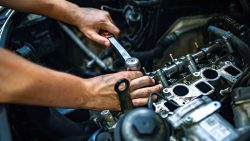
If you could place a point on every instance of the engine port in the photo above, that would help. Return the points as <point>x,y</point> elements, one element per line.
<point>231,70</point>
<point>180,90</point>
<point>203,87</point>
<point>210,74</point>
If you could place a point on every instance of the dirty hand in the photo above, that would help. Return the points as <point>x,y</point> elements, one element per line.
<point>90,21</point>
<point>104,96</point>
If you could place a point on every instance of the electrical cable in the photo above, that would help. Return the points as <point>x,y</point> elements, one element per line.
<point>150,101</point>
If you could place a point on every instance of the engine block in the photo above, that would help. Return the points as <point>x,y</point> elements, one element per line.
<point>213,79</point>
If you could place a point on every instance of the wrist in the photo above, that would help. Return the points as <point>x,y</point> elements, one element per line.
<point>88,94</point>
<point>75,15</point>
<point>62,10</point>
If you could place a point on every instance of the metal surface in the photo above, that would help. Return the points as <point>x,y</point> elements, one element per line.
<point>179,114</point>
<point>192,66</point>
<point>162,78</point>
<point>178,65</point>
<point>9,14</point>
<point>109,119</point>
<point>132,63</point>
<point>199,121</point>
<point>106,114</point>
<point>5,133</point>
<point>193,92</point>
<point>200,83</point>
<point>119,48</point>
<point>210,109</point>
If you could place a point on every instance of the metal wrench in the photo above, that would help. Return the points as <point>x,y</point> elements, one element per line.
<point>132,63</point>
<point>123,94</point>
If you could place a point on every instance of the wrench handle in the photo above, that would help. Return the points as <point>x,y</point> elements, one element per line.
<point>122,89</point>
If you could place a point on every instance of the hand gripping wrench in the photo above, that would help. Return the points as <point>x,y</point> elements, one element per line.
<point>132,63</point>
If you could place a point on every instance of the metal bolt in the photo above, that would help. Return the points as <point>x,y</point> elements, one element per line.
<point>108,117</point>
<point>133,64</point>
<point>188,120</point>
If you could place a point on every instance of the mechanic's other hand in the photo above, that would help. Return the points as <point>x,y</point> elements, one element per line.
<point>141,88</point>
<point>101,89</point>
<point>90,21</point>
<point>103,95</point>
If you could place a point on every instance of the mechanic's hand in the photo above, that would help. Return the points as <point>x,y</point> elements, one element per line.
<point>141,88</point>
<point>90,21</point>
<point>104,96</point>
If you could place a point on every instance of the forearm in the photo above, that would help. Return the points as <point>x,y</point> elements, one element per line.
<point>58,9</point>
<point>22,82</point>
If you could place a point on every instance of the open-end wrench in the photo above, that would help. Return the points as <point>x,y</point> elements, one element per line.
<point>122,89</point>
<point>132,63</point>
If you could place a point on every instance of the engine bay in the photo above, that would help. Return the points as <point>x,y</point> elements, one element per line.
<point>198,50</point>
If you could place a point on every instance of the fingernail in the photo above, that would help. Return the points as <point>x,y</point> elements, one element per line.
<point>161,87</point>
<point>154,97</point>
<point>153,80</point>
<point>107,44</point>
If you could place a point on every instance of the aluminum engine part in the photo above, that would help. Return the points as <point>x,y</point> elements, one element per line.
<point>109,119</point>
<point>197,84</point>
<point>185,91</point>
<point>200,121</point>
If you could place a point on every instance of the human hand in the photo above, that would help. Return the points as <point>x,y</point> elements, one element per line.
<point>141,88</point>
<point>103,95</point>
<point>90,21</point>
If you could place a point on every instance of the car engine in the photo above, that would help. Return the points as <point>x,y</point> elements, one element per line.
<point>198,50</point>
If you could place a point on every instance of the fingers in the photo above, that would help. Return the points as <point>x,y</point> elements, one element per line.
<point>93,35</point>
<point>140,102</point>
<point>141,82</point>
<point>145,92</point>
<point>94,20</point>
<point>110,27</point>
<point>105,24</point>
<point>131,75</point>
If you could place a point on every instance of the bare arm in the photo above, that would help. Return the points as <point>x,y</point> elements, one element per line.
<point>23,82</point>
<point>88,20</point>
<point>57,9</point>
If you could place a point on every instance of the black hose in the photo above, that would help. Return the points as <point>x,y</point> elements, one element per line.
<point>226,23</point>
<point>150,101</point>
<point>158,50</point>
<point>143,3</point>
<point>162,45</point>
<point>242,48</point>
<point>223,22</point>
